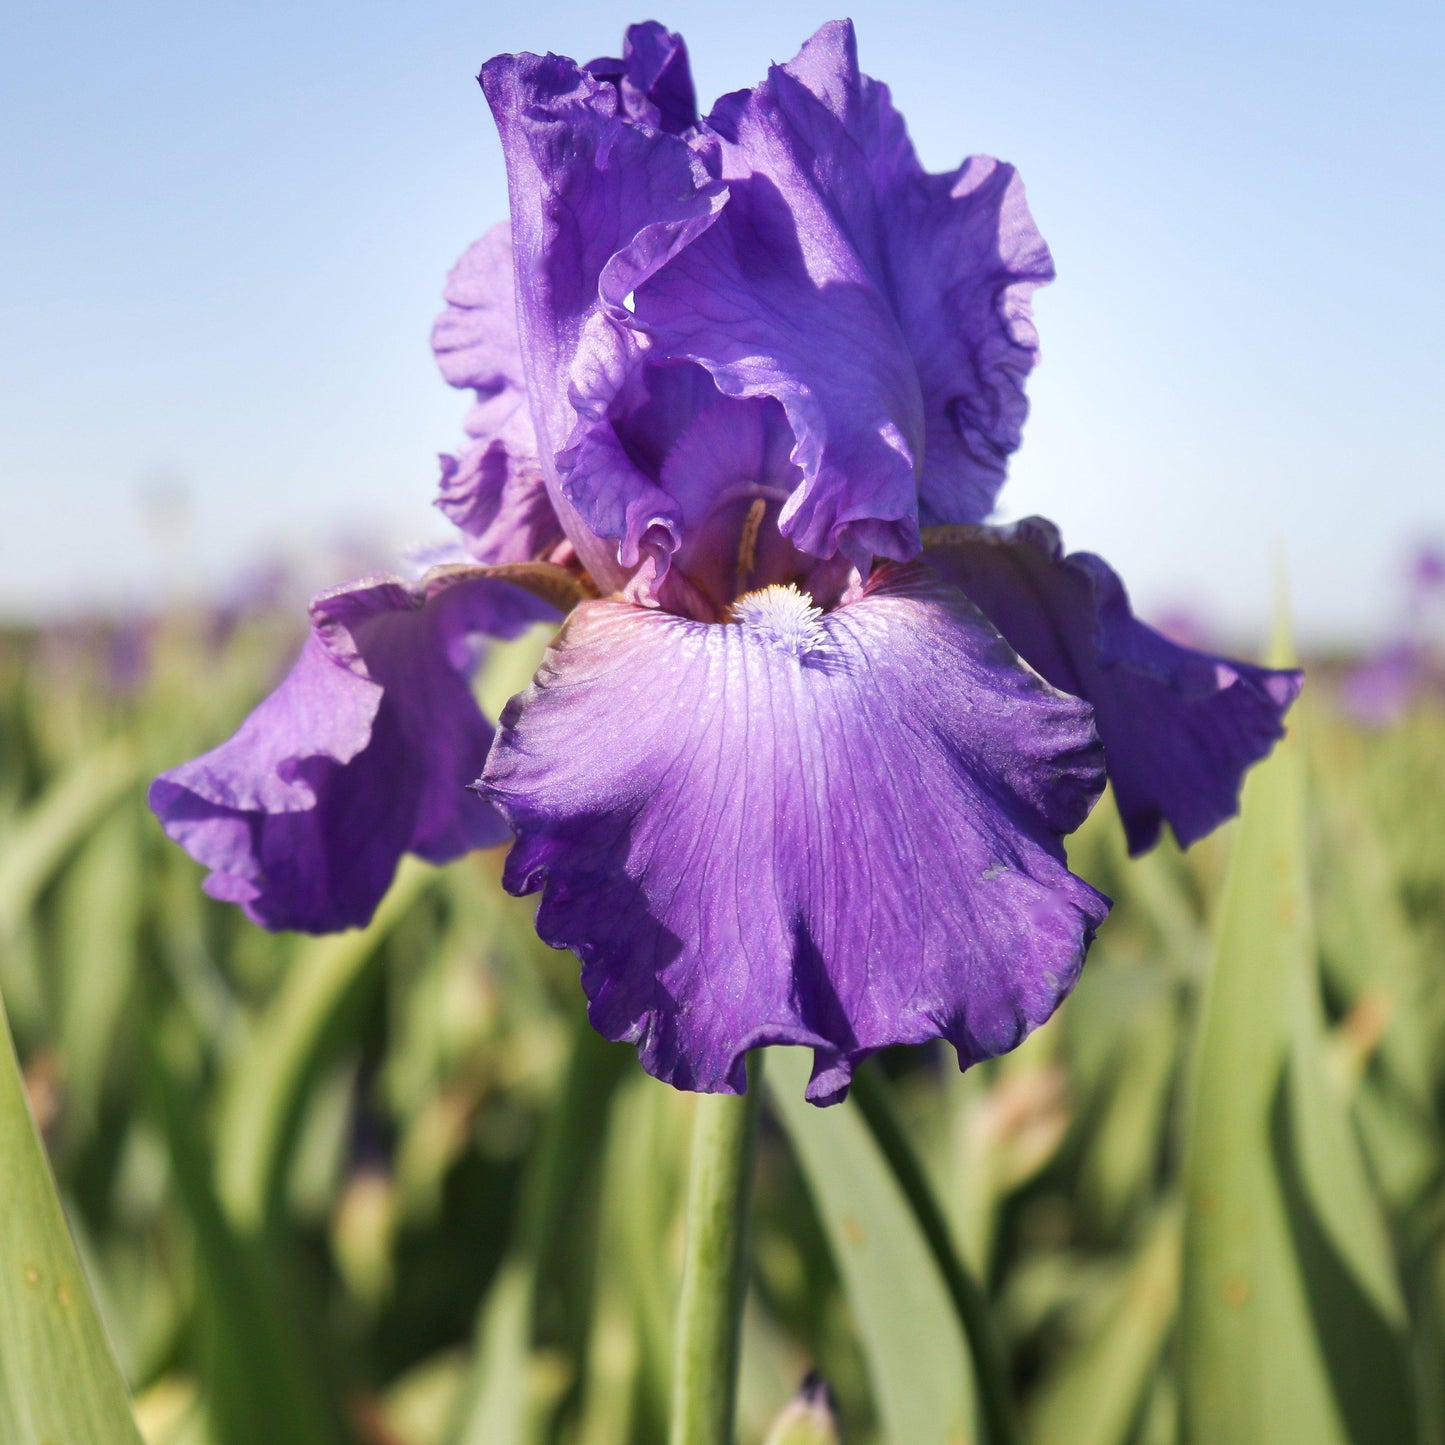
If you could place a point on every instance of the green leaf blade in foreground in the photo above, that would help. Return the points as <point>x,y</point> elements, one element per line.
<point>1292,1327</point>
<point>918,1363</point>
<point>59,1382</point>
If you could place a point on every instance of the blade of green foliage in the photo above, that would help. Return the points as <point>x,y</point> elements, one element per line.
<point>267,1078</point>
<point>263,1378</point>
<point>1374,955</point>
<point>99,908</point>
<point>1157,888</point>
<point>1126,1127</point>
<point>58,1378</point>
<point>614,1344</point>
<point>45,835</point>
<point>502,1399</point>
<point>969,1303</point>
<point>498,1398</point>
<point>916,1355</point>
<point>1291,1318</point>
<point>637,1282</point>
<point>1096,1395</point>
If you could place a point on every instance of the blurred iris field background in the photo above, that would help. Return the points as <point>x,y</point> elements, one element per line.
<point>388,1187</point>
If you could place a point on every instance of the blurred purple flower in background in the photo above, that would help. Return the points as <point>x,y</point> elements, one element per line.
<point>1390,681</point>
<point>1384,686</point>
<point>1427,575</point>
<point>799,765</point>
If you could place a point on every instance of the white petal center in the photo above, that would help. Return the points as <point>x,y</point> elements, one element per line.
<point>783,617</point>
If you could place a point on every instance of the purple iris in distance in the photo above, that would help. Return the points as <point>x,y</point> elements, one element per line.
<point>798,766</point>
<point>1389,681</point>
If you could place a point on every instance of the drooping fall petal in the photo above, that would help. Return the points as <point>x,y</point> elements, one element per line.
<point>363,753</point>
<point>1179,727</point>
<point>840,830</point>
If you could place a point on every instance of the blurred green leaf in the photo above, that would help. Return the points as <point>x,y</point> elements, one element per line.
<point>260,1363</point>
<point>420,1406</point>
<point>614,1346</point>
<point>509,666</point>
<point>99,908</point>
<point>59,1383</point>
<point>1127,1123</point>
<point>1292,1322</point>
<point>508,1392</point>
<point>267,1078</point>
<point>651,1124</point>
<point>1006,1121</point>
<point>50,829</point>
<point>917,1360</point>
<point>169,1412</point>
<point>498,1399</point>
<point>1095,1396</point>
<point>971,1307</point>
<point>1370,948</point>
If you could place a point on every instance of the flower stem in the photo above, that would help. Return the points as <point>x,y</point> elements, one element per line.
<point>714,1276</point>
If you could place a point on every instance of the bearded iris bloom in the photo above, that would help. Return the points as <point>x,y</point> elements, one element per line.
<point>799,764</point>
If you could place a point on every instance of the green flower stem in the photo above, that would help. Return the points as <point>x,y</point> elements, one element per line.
<point>714,1276</point>
<point>995,1403</point>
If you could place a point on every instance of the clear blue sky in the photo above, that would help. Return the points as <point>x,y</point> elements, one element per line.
<point>225,228</point>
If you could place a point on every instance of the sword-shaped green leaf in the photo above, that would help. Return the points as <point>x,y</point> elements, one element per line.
<point>1292,1326</point>
<point>265,1084</point>
<point>918,1362</point>
<point>58,1378</point>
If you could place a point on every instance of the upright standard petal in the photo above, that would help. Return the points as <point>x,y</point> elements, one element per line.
<point>653,78</point>
<point>777,299</point>
<point>837,830</point>
<point>1179,727</point>
<point>886,308</point>
<point>792,247</point>
<point>363,753</point>
<point>598,204</point>
<point>494,491</point>
<point>960,258</point>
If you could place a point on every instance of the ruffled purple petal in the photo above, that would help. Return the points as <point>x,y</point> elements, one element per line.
<point>837,830</point>
<point>653,78</point>
<point>1179,727</point>
<point>363,753</point>
<point>959,257</point>
<point>714,457</point>
<point>886,308</point>
<point>966,258</point>
<point>494,491</point>
<point>783,297</point>
<point>598,204</point>
<point>793,248</point>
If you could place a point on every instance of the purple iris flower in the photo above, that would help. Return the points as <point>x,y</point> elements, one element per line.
<point>799,764</point>
<point>1390,681</point>
<point>1385,686</point>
